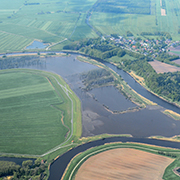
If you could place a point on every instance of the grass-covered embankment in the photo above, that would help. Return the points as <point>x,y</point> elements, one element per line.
<point>121,84</point>
<point>78,160</point>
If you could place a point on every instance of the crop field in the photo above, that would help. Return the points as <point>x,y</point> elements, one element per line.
<point>160,67</point>
<point>46,21</point>
<point>34,112</point>
<point>54,21</point>
<point>123,163</point>
<point>108,21</point>
<point>10,42</point>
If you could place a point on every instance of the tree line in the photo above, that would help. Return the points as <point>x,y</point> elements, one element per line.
<point>166,84</point>
<point>27,170</point>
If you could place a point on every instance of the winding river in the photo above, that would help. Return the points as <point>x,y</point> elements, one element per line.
<point>97,120</point>
<point>58,167</point>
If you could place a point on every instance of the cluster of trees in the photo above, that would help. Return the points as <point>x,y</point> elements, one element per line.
<point>163,4</point>
<point>157,33</point>
<point>165,57</point>
<point>166,85</point>
<point>129,33</point>
<point>96,78</point>
<point>26,171</point>
<point>7,168</point>
<point>167,154</point>
<point>19,62</point>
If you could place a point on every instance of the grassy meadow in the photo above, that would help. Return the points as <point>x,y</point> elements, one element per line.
<point>108,22</point>
<point>47,21</point>
<point>53,21</point>
<point>35,113</point>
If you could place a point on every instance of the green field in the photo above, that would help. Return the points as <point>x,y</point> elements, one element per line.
<point>35,113</point>
<point>23,22</point>
<point>43,20</point>
<point>108,22</point>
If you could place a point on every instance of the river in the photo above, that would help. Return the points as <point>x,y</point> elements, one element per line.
<point>58,167</point>
<point>97,120</point>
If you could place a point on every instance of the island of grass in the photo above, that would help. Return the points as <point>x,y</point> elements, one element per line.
<point>157,161</point>
<point>38,112</point>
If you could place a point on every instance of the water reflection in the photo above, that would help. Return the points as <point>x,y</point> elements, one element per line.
<point>96,119</point>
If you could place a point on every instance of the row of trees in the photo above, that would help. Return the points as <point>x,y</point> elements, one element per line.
<point>157,33</point>
<point>20,62</point>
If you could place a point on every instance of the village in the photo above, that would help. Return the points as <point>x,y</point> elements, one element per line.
<point>146,46</point>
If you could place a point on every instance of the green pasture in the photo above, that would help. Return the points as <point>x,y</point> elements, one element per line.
<point>53,21</point>
<point>117,59</point>
<point>176,52</point>
<point>32,106</point>
<point>47,21</point>
<point>110,22</point>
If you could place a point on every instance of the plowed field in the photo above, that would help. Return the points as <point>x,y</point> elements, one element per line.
<point>160,67</point>
<point>123,164</point>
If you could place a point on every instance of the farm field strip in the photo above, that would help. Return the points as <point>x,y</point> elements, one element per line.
<point>123,163</point>
<point>43,87</point>
<point>12,42</point>
<point>161,67</point>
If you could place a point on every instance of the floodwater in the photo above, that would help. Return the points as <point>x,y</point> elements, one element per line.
<point>113,98</point>
<point>37,45</point>
<point>96,119</point>
<point>18,161</point>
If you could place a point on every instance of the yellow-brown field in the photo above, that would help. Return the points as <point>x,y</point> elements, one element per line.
<point>123,163</point>
<point>160,67</point>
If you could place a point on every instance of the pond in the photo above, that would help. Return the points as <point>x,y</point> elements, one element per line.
<point>18,161</point>
<point>37,45</point>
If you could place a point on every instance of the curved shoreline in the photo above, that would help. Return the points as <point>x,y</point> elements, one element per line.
<point>58,166</point>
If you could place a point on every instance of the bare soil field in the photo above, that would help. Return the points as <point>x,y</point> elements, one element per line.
<point>163,12</point>
<point>160,67</point>
<point>124,163</point>
<point>177,61</point>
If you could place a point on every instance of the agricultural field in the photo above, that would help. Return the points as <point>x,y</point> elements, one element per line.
<point>160,67</point>
<point>35,113</point>
<point>50,22</point>
<point>123,163</point>
<point>108,22</point>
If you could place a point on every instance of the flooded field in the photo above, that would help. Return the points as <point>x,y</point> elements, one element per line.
<point>97,119</point>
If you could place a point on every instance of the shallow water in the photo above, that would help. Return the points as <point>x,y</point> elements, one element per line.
<point>37,45</point>
<point>96,119</point>
<point>112,98</point>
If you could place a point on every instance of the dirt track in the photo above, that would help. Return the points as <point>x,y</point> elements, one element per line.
<point>123,164</point>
